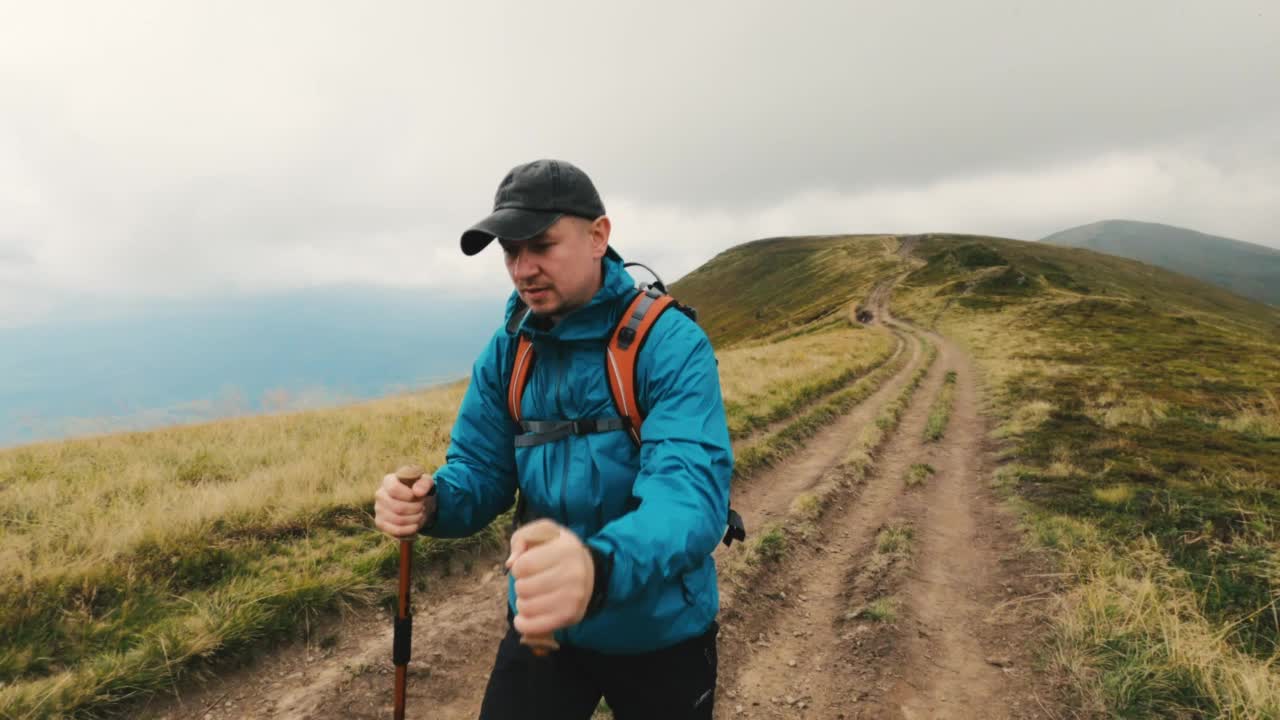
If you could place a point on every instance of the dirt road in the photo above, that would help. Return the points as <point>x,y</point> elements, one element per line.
<point>911,601</point>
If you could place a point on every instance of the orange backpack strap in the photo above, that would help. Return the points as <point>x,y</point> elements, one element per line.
<point>623,352</point>
<point>621,355</point>
<point>519,376</point>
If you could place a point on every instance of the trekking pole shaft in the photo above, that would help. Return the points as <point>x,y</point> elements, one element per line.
<point>403,622</point>
<point>404,618</point>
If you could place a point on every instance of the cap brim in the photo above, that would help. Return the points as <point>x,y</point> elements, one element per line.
<point>514,224</point>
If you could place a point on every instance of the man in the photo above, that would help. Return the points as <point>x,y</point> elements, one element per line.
<point>627,586</point>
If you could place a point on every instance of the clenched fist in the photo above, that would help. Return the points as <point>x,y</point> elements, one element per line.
<point>400,510</point>
<point>555,576</point>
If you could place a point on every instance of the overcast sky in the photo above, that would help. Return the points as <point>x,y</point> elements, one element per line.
<point>153,150</point>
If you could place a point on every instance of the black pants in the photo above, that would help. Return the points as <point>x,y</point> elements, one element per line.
<point>675,683</point>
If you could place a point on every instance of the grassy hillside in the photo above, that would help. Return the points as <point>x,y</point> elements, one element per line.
<point>1140,430</point>
<point>777,285</point>
<point>1243,268</point>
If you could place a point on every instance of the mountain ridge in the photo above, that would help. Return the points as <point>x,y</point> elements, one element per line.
<point>1245,268</point>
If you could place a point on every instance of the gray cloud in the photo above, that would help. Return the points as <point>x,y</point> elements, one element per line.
<point>13,255</point>
<point>171,148</point>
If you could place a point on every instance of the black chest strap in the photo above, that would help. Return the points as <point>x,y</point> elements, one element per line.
<point>537,432</point>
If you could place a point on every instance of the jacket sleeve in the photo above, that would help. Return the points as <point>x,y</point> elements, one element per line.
<point>686,462</point>
<point>478,480</point>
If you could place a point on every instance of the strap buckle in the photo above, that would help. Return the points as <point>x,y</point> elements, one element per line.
<point>582,427</point>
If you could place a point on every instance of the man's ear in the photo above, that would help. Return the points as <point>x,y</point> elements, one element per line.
<point>599,230</point>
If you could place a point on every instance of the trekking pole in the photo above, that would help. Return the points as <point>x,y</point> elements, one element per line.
<point>409,474</point>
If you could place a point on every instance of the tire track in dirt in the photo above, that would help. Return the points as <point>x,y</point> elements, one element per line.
<point>768,495</point>
<point>789,658</point>
<point>959,647</point>
<point>458,622</point>
<point>965,649</point>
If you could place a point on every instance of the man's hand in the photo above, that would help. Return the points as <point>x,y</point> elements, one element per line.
<point>399,510</point>
<point>554,579</point>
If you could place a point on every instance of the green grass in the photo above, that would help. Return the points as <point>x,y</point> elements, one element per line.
<point>771,545</point>
<point>918,473</point>
<point>882,610</point>
<point>807,506</point>
<point>895,539</point>
<point>940,412</point>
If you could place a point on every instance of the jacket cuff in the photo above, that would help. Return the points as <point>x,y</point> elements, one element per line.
<point>602,564</point>
<point>430,522</point>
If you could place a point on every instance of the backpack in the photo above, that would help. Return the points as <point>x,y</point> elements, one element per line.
<point>621,355</point>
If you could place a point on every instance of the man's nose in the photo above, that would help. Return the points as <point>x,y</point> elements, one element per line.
<point>522,266</point>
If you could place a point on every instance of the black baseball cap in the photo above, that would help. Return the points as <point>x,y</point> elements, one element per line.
<point>530,199</point>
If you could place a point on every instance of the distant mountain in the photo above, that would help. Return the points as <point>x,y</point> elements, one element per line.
<point>197,361</point>
<point>1243,268</point>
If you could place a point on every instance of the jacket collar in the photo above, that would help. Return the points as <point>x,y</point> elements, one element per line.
<point>595,320</point>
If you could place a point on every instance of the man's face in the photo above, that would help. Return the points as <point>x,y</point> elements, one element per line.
<point>559,270</point>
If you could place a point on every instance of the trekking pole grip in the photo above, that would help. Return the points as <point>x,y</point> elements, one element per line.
<point>409,474</point>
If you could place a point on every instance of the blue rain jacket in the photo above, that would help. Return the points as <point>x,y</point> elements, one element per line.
<point>658,510</point>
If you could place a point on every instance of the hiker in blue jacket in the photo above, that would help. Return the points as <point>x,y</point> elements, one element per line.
<point>625,583</point>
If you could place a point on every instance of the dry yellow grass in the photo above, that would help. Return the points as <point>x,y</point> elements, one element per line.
<point>1139,610</point>
<point>1114,494</point>
<point>1026,418</point>
<point>761,381</point>
<point>1261,418</point>
<point>753,372</point>
<point>74,506</point>
<point>761,449</point>
<point>1113,412</point>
